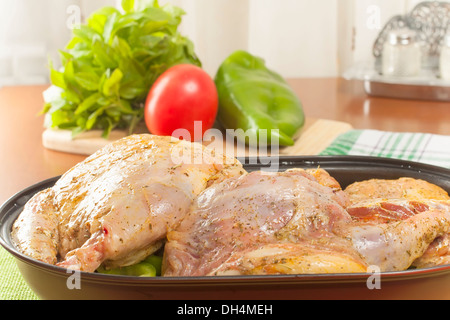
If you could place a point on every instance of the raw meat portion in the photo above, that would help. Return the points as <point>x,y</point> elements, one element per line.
<point>288,222</point>
<point>115,207</point>
<point>391,210</point>
<point>403,188</point>
<point>437,254</point>
<point>244,216</point>
<point>36,230</point>
<point>292,258</point>
<point>395,246</point>
<point>387,201</point>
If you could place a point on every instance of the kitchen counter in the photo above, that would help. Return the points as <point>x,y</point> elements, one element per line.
<point>342,100</point>
<point>24,161</point>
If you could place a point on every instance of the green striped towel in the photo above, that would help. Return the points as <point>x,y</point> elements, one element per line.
<point>420,147</point>
<point>12,284</point>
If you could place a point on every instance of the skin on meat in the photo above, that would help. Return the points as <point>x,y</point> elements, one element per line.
<point>234,222</point>
<point>403,188</point>
<point>291,222</point>
<point>292,258</point>
<point>35,231</point>
<point>395,246</point>
<point>378,201</point>
<point>134,196</point>
<point>115,207</point>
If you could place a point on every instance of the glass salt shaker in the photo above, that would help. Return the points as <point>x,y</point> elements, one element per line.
<point>402,54</point>
<point>444,64</point>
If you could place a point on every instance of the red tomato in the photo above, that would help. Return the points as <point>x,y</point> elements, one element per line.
<point>181,96</point>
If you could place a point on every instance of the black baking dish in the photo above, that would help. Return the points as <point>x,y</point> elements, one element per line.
<point>51,282</point>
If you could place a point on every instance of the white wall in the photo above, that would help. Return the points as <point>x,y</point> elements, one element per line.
<point>26,37</point>
<point>297,38</point>
<point>217,28</point>
<point>31,32</point>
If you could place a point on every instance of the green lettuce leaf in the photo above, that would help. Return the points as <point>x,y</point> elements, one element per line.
<point>110,64</point>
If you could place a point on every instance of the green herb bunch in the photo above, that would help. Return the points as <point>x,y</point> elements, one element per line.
<point>111,63</point>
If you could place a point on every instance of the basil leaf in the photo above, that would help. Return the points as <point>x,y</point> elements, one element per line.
<point>128,5</point>
<point>112,84</point>
<point>87,103</point>
<point>84,33</point>
<point>57,78</point>
<point>104,55</point>
<point>89,81</point>
<point>110,64</point>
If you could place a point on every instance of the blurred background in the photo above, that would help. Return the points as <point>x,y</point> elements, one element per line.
<point>297,38</point>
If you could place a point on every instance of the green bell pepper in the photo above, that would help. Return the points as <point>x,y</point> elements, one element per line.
<point>254,98</point>
<point>149,267</point>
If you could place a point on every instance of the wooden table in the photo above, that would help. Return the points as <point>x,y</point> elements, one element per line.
<point>24,161</point>
<point>346,101</point>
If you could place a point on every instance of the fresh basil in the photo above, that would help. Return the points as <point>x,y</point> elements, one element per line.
<point>111,63</point>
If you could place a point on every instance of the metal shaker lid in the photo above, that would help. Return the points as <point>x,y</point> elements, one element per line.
<point>402,37</point>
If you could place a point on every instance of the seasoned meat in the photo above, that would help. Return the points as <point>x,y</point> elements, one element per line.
<point>381,202</point>
<point>291,222</point>
<point>395,246</point>
<point>115,207</point>
<point>437,253</point>
<point>144,192</point>
<point>36,231</point>
<point>247,216</point>
<point>403,188</point>
<point>292,258</point>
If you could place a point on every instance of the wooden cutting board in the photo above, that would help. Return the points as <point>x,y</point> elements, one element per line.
<point>315,136</point>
